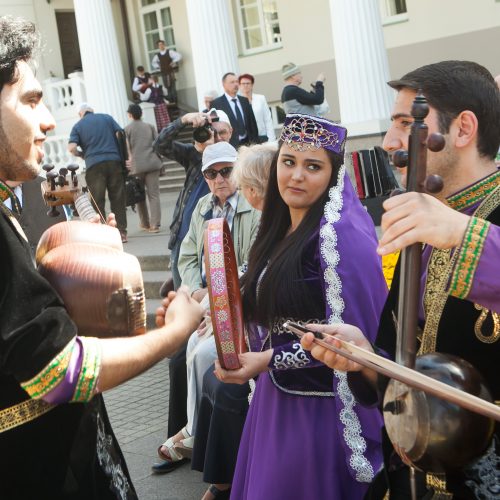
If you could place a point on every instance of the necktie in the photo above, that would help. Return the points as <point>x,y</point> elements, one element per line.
<point>239,119</point>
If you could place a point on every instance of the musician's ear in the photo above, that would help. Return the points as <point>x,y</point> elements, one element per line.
<point>466,128</point>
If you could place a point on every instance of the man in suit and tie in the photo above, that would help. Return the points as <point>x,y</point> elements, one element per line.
<point>239,110</point>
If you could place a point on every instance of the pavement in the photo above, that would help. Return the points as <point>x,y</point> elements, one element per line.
<point>138,409</point>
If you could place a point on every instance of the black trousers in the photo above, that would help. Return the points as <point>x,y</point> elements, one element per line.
<point>177,411</point>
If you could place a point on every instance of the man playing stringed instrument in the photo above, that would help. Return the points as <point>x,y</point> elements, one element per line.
<point>460,300</point>
<point>55,436</point>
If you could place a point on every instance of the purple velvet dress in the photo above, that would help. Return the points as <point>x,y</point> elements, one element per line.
<point>305,437</point>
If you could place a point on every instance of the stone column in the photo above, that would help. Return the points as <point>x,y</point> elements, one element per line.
<point>213,44</point>
<point>102,67</point>
<point>362,66</point>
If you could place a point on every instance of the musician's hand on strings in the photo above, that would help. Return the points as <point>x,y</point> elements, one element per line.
<point>348,333</point>
<point>252,363</point>
<point>419,217</point>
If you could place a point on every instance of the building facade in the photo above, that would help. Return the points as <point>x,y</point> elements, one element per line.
<point>91,48</point>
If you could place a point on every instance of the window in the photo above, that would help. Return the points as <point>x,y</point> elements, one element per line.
<point>395,7</point>
<point>157,25</point>
<point>259,25</point>
<point>393,11</point>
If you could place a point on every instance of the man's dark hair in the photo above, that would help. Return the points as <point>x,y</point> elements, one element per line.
<point>140,68</point>
<point>18,41</point>
<point>160,41</point>
<point>455,86</point>
<point>230,73</point>
<point>135,110</point>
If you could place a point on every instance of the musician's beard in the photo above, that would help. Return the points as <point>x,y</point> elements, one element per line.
<point>13,167</point>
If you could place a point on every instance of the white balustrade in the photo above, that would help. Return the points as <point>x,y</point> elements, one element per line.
<point>56,152</point>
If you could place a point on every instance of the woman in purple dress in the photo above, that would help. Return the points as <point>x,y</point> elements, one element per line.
<point>314,260</point>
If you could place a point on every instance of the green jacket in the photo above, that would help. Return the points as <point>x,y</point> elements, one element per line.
<point>245,225</point>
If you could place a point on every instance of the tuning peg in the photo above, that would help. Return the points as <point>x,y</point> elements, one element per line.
<point>73,167</point>
<point>435,142</point>
<point>48,167</point>
<point>433,184</point>
<point>400,158</point>
<point>51,177</point>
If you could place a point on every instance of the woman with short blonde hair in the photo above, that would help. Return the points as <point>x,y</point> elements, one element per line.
<point>251,171</point>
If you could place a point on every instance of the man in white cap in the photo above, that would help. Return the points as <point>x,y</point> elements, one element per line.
<point>223,200</point>
<point>195,187</point>
<point>296,99</point>
<point>95,135</point>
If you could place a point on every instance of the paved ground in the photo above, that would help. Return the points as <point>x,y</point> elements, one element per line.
<point>138,409</point>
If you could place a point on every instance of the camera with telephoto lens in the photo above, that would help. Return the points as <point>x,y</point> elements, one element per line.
<point>202,134</point>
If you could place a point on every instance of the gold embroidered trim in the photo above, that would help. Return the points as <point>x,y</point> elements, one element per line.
<point>86,385</point>
<point>475,193</point>
<point>437,482</point>
<point>436,293</point>
<point>23,413</point>
<point>469,254</point>
<point>50,376</point>
<point>478,327</point>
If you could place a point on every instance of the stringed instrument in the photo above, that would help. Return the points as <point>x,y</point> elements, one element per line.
<point>437,410</point>
<point>100,284</point>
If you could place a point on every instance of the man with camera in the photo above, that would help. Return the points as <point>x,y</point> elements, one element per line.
<point>213,127</point>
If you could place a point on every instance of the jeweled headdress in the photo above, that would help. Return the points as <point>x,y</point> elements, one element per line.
<point>305,132</point>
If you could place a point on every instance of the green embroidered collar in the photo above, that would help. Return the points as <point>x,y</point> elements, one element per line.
<point>475,193</point>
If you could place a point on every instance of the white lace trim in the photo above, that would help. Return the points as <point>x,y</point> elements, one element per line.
<point>352,427</point>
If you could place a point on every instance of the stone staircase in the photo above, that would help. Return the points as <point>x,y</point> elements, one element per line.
<point>154,273</point>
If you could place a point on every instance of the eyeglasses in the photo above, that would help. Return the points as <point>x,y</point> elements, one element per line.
<point>211,174</point>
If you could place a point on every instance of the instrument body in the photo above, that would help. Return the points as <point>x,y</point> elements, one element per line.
<point>224,293</point>
<point>427,432</point>
<point>100,284</point>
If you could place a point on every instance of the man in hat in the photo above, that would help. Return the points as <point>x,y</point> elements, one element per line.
<point>195,187</point>
<point>95,135</point>
<point>223,200</point>
<point>296,99</point>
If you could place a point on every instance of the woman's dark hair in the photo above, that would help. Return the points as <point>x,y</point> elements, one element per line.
<point>451,87</point>
<point>18,40</point>
<point>283,255</point>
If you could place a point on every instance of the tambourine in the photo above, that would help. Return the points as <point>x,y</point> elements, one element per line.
<point>224,293</point>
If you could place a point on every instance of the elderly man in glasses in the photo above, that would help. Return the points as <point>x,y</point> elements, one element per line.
<point>222,201</point>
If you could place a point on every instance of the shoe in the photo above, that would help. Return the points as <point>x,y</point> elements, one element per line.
<point>185,447</point>
<point>166,466</point>
<point>144,228</point>
<point>219,494</point>
<point>154,229</point>
<point>124,237</point>
<point>173,459</point>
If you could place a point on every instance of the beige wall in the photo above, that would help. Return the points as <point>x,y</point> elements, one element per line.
<point>43,15</point>
<point>431,19</point>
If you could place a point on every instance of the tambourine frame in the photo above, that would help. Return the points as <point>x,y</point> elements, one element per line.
<point>224,293</point>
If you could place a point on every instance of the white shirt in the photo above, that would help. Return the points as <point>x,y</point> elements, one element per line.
<point>174,55</point>
<point>263,116</point>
